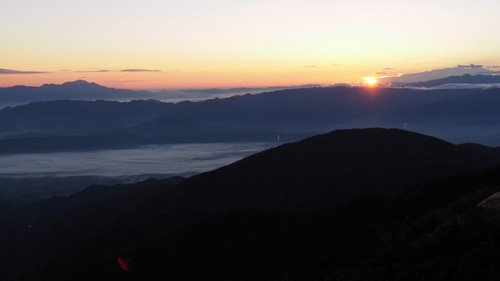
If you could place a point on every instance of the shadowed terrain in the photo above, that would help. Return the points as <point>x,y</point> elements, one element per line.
<point>459,115</point>
<point>320,209</point>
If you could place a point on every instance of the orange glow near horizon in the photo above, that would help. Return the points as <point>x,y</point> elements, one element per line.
<point>189,44</point>
<point>188,78</point>
<point>206,74</point>
<point>370,81</point>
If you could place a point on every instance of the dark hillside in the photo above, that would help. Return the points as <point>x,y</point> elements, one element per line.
<point>437,231</point>
<point>331,168</point>
<point>330,207</point>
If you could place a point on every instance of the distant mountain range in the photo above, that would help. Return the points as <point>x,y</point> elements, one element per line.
<point>77,90</point>
<point>459,70</point>
<point>81,90</point>
<point>350,203</point>
<point>460,115</point>
<point>464,79</point>
<point>84,91</point>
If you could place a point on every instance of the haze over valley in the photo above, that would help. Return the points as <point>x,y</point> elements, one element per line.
<point>125,141</point>
<point>249,140</point>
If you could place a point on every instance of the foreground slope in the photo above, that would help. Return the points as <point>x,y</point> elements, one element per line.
<point>330,168</point>
<point>308,199</point>
<point>443,230</point>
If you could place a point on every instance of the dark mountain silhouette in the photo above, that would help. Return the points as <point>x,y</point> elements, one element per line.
<point>74,87</point>
<point>437,74</point>
<point>78,117</point>
<point>204,94</point>
<point>439,230</point>
<point>38,212</point>
<point>473,113</point>
<point>87,91</point>
<point>464,79</point>
<point>312,206</point>
<point>76,90</point>
<point>336,166</point>
<point>454,115</point>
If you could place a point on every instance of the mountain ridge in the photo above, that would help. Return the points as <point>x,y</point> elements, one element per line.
<point>376,153</point>
<point>465,79</point>
<point>73,90</point>
<point>448,114</point>
<point>296,183</point>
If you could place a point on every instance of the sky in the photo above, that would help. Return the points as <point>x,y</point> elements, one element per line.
<point>195,44</point>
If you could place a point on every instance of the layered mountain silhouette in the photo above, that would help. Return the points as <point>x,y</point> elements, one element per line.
<point>438,74</point>
<point>325,205</point>
<point>76,90</point>
<point>464,79</point>
<point>455,115</point>
<point>88,91</point>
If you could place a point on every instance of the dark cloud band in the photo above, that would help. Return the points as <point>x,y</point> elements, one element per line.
<point>470,66</point>
<point>10,71</point>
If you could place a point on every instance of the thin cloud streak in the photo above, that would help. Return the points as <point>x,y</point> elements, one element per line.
<point>140,70</point>
<point>97,71</point>
<point>10,71</point>
<point>123,70</point>
<point>456,86</point>
<point>470,66</point>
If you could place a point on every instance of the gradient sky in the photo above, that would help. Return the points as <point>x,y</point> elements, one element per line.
<point>194,43</point>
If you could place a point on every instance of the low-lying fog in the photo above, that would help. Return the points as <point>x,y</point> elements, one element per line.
<point>177,159</point>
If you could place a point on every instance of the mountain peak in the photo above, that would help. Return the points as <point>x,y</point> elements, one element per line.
<point>82,83</point>
<point>332,167</point>
<point>77,82</point>
<point>73,84</point>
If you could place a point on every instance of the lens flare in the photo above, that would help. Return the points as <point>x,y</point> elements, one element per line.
<point>124,263</point>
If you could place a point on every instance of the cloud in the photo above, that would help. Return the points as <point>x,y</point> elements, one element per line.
<point>310,66</point>
<point>388,68</point>
<point>139,70</point>
<point>124,70</point>
<point>470,66</point>
<point>493,66</point>
<point>10,71</point>
<point>341,85</point>
<point>453,86</point>
<point>460,70</point>
<point>85,71</point>
<point>381,73</point>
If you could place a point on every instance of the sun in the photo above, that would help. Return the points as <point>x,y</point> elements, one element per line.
<point>370,81</point>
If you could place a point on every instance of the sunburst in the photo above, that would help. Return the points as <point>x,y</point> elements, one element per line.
<point>370,81</point>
